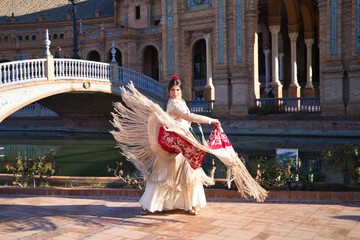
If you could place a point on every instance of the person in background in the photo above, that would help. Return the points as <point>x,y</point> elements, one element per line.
<point>59,53</point>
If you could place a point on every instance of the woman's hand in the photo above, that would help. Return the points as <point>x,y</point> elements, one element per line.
<point>216,122</point>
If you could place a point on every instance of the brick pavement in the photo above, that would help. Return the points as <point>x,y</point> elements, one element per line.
<point>61,217</point>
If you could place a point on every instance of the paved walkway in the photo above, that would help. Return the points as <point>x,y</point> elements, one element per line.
<point>59,217</point>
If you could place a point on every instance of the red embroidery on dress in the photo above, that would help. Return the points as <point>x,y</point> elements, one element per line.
<point>218,139</point>
<point>174,143</point>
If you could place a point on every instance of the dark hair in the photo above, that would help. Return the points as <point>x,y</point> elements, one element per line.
<point>175,82</point>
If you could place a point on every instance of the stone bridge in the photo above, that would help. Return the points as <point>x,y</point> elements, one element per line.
<point>81,92</point>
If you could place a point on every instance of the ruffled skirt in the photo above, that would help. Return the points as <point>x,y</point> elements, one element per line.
<point>176,186</point>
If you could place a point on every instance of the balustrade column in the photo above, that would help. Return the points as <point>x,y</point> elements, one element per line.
<point>309,88</point>
<point>294,88</point>
<point>267,67</point>
<point>209,87</point>
<point>275,83</point>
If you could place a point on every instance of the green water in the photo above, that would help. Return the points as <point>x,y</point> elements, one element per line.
<point>74,156</point>
<point>88,155</point>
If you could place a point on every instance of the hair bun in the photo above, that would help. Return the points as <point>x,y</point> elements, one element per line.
<point>175,78</point>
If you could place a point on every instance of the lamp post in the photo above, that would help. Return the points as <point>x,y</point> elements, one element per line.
<point>75,49</point>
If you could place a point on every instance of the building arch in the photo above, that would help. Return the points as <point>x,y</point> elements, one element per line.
<point>150,62</point>
<point>198,67</point>
<point>94,56</point>
<point>293,12</point>
<point>308,17</point>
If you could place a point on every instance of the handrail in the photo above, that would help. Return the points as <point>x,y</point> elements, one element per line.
<point>201,106</point>
<point>63,68</point>
<point>292,105</point>
<point>21,71</point>
<point>141,81</point>
<point>81,69</point>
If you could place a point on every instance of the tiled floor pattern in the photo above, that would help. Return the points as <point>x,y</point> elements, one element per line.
<point>59,218</point>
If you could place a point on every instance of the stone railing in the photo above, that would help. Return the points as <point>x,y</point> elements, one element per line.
<point>141,82</point>
<point>292,105</point>
<point>22,71</point>
<point>201,106</point>
<point>49,68</point>
<point>81,69</point>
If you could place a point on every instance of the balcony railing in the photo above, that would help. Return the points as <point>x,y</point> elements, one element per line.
<point>292,105</point>
<point>201,106</point>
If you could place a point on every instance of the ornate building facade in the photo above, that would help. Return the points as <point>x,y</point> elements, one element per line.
<point>227,50</point>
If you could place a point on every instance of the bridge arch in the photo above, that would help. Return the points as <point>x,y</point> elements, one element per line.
<point>39,80</point>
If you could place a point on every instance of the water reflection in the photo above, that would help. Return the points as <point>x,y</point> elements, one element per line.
<point>88,154</point>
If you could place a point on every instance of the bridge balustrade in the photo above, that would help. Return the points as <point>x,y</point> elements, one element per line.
<point>62,68</point>
<point>81,69</point>
<point>201,106</point>
<point>292,105</point>
<point>22,71</point>
<point>141,81</point>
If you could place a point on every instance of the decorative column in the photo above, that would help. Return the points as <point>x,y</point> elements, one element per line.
<point>267,67</point>
<point>114,64</point>
<point>309,88</point>
<point>281,71</point>
<point>49,58</point>
<point>275,29</point>
<point>209,90</point>
<point>294,88</point>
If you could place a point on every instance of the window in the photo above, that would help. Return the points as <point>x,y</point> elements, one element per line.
<point>33,37</point>
<point>137,11</point>
<point>27,38</point>
<point>62,36</point>
<point>6,38</point>
<point>55,36</point>
<point>20,38</point>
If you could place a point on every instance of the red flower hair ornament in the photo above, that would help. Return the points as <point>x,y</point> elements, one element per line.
<point>174,78</point>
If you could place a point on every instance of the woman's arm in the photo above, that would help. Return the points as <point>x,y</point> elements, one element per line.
<point>177,111</point>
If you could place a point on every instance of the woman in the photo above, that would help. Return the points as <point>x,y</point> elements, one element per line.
<point>169,157</point>
<point>183,188</point>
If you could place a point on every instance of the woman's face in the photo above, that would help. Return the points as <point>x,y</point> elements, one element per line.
<point>175,92</point>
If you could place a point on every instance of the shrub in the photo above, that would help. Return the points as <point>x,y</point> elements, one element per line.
<point>347,159</point>
<point>130,181</point>
<point>25,170</point>
<point>272,173</point>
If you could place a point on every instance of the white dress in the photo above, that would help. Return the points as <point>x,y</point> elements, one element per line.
<point>178,186</point>
<point>150,138</point>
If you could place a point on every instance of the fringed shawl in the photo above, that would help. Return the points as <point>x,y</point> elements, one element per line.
<point>139,122</point>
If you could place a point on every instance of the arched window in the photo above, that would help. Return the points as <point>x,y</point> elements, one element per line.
<point>6,38</point>
<point>27,38</point>
<point>62,36</point>
<point>55,36</point>
<point>151,62</point>
<point>94,56</point>
<point>20,38</point>
<point>33,37</point>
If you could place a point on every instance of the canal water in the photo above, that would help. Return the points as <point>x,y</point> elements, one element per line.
<point>90,154</point>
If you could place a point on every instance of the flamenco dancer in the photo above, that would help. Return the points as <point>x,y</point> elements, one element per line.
<point>168,155</point>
